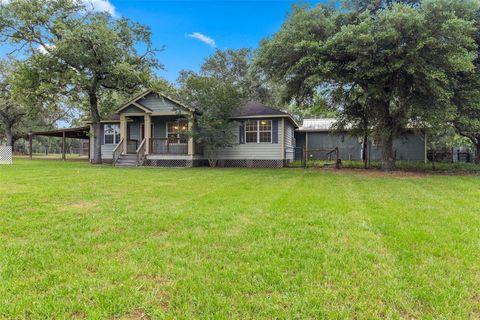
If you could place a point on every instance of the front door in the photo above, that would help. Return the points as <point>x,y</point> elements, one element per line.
<point>132,138</point>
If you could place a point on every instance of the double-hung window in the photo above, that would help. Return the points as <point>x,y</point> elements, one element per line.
<point>111,133</point>
<point>258,131</point>
<point>176,132</point>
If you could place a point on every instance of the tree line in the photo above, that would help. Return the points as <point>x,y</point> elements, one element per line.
<point>379,66</point>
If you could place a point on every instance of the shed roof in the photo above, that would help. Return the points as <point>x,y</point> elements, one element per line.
<point>321,124</point>
<point>75,133</point>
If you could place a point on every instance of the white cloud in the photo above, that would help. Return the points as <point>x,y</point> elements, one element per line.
<point>42,49</point>
<point>203,38</point>
<point>101,6</point>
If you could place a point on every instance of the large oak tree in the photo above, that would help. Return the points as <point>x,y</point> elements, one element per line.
<point>401,57</point>
<point>88,56</point>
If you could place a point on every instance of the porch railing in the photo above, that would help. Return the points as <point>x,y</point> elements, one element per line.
<point>140,152</point>
<point>166,146</point>
<point>117,152</point>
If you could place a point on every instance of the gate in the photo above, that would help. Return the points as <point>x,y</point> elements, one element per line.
<point>304,158</point>
<point>295,157</point>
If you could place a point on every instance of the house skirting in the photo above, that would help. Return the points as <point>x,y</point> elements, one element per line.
<point>198,161</point>
<point>251,163</point>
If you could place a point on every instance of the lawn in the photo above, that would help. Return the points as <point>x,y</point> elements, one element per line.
<point>99,242</point>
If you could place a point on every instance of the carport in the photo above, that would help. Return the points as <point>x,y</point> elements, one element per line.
<point>82,133</point>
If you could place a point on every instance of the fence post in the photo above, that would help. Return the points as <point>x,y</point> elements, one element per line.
<point>304,164</point>
<point>30,151</point>
<point>337,163</point>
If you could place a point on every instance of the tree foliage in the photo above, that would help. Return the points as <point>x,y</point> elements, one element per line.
<point>237,67</point>
<point>213,101</point>
<point>18,114</point>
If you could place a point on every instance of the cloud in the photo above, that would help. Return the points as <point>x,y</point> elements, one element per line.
<point>43,50</point>
<point>101,6</point>
<point>203,38</point>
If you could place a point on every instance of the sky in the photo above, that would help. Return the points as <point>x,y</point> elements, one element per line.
<point>189,31</point>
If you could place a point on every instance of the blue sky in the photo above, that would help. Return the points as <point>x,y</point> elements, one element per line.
<point>230,24</point>
<point>190,31</point>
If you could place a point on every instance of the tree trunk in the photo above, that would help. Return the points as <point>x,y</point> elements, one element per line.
<point>477,153</point>
<point>9,135</point>
<point>388,156</point>
<point>365,153</point>
<point>97,129</point>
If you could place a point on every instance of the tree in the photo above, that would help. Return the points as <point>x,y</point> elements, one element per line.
<point>236,66</point>
<point>87,56</point>
<point>403,58</point>
<point>213,101</point>
<point>19,114</point>
<point>466,98</point>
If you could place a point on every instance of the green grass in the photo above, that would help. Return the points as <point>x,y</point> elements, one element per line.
<point>101,242</point>
<point>413,166</point>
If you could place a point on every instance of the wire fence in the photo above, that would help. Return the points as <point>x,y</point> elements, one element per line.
<point>305,158</point>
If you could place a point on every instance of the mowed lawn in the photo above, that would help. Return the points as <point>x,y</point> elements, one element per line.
<point>82,241</point>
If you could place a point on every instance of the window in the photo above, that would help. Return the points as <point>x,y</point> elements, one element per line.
<point>258,131</point>
<point>111,133</point>
<point>176,132</point>
<point>251,131</point>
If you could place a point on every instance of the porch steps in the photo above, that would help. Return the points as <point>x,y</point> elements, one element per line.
<point>127,160</point>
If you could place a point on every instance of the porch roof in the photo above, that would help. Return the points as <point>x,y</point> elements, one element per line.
<point>75,133</point>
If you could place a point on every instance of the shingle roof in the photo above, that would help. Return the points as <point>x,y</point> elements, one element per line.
<point>257,109</point>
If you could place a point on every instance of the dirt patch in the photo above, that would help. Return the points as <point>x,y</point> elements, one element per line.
<point>136,314</point>
<point>77,206</point>
<point>78,315</point>
<point>157,279</point>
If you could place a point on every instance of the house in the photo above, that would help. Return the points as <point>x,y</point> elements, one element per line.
<point>150,129</point>
<point>317,134</point>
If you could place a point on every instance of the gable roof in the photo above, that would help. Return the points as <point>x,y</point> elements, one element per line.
<point>135,101</point>
<point>254,109</point>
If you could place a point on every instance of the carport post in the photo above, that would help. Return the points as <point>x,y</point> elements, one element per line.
<point>30,151</point>
<point>63,145</point>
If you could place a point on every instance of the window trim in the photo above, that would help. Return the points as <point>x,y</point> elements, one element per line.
<point>116,132</point>
<point>177,133</point>
<point>258,130</point>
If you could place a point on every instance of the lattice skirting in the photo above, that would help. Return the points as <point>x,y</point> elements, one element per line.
<point>251,163</point>
<point>174,163</point>
<point>182,163</point>
<point>6,155</point>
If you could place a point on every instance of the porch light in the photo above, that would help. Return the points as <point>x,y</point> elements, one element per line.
<point>175,127</point>
<point>263,122</point>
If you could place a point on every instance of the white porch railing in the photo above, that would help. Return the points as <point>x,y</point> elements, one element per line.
<point>117,152</point>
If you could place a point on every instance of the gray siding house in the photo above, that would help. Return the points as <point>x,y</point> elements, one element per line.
<point>150,129</point>
<point>317,134</point>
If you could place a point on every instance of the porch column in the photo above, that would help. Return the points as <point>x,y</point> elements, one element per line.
<point>123,131</point>
<point>148,132</point>
<point>191,145</point>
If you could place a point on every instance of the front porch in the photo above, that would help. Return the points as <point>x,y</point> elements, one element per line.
<point>154,138</point>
